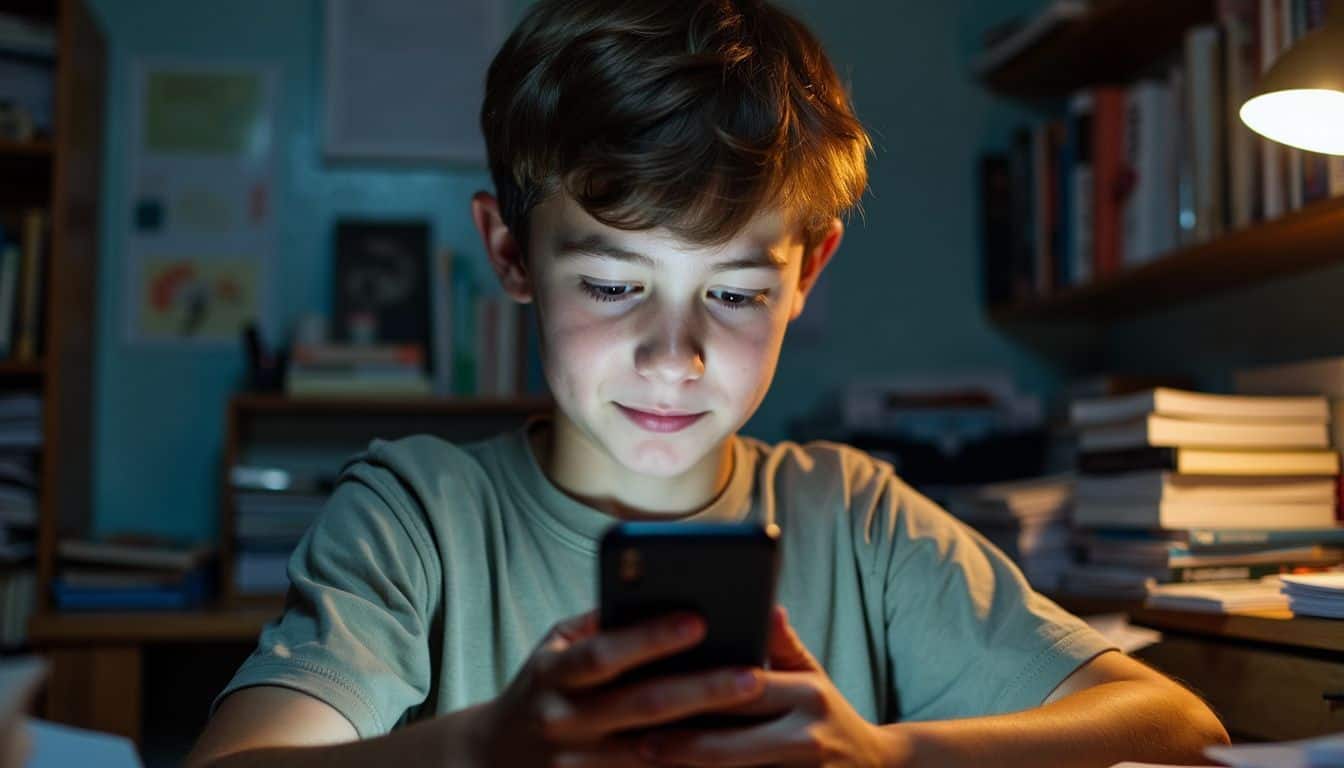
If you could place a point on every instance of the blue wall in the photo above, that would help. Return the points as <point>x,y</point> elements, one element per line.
<point>902,295</point>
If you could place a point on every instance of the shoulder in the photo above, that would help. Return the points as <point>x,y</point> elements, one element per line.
<point>824,469</point>
<point>419,464</point>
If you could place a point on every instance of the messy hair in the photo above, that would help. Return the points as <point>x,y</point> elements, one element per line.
<point>693,115</point>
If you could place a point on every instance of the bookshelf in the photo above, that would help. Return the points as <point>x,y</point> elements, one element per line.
<point>1114,42</point>
<point>63,175</point>
<point>1297,242</point>
<point>305,433</point>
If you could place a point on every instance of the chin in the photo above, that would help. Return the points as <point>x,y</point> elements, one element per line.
<point>665,455</point>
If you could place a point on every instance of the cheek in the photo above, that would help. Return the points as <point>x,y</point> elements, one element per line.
<point>578,348</point>
<point>745,355</point>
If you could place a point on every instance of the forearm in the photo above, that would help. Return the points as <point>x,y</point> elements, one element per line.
<point>1100,726</point>
<point>447,741</point>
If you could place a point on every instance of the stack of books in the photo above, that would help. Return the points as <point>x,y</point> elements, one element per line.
<point>131,574</point>
<point>1320,594</point>
<point>1028,520</point>
<point>1248,596</point>
<point>273,507</point>
<point>364,370</point>
<point>1179,486</point>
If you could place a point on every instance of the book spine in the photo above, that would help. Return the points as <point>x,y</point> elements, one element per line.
<point>1241,56</point>
<point>441,359</point>
<point>9,289</point>
<point>1117,462</point>
<point>1289,31</point>
<point>1336,167</point>
<point>34,248</point>
<point>1203,573</point>
<point>1271,153</point>
<point>1147,212</point>
<point>1061,167</point>
<point>1207,540</point>
<point>1203,68</point>
<point>1315,166</point>
<point>1109,189</point>
<point>1080,189</point>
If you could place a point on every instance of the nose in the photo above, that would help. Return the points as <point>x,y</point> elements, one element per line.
<point>672,354</point>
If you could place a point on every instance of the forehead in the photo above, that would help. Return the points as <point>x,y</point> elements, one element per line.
<point>559,221</point>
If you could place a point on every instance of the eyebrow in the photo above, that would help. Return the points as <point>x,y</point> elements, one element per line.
<point>596,245</point>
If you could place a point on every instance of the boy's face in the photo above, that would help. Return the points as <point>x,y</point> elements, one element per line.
<point>656,349</point>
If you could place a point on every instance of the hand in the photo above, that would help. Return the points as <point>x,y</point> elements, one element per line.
<point>559,709</point>
<point>811,723</point>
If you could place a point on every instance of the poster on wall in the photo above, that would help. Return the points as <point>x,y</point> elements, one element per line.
<point>201,230</point>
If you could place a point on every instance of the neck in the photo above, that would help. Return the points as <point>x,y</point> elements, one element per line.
<point>580,468</point>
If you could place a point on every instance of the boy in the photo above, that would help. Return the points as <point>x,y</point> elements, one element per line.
<point>669,177</point>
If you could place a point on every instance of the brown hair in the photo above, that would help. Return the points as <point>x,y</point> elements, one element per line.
<point>692,115</point>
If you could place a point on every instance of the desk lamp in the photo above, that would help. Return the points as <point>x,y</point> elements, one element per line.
<point>1300,100</point>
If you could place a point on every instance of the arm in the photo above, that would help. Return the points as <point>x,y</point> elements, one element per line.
<point>277,727</point>
<point>1110,710</point>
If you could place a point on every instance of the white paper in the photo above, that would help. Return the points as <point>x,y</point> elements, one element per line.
<point>60,746</point>
<point>1325,752</point>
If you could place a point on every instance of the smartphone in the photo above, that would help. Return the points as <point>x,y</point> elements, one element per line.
<point>725,572</point>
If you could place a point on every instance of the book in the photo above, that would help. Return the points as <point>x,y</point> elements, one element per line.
<point>1198,461</point>
<point>1108,178</point>
<point>27,332</point>
<point>1079,195</point>
<point>441,297</point>
<point>1045,140</point>
<point>1272,154</point>
<point>316,384</point>
<point>1319,594</point>
<point>1175,515</point>
<point>1203,76</point>
<point>1239,20</point>
<point>1155,430</point>
<point>410,356</point>
<point>1168,486</point>
<point>1218,539</point>
<point>10,259</point>
<point>1148,215</point>
<point>1198,405</point>
<point>1323,377</point>
<point>191,591</point>
<point>1023,216</point>
<point>135,553</point>
<point>1218,597</point>
<point>1136,577</point>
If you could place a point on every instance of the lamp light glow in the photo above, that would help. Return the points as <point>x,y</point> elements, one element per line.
<point>1300,100</point>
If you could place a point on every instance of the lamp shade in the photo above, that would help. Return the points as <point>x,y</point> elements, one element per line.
<point>1300,101</point>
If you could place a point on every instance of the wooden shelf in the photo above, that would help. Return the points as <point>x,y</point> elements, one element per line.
<point>98,628</point>
<point>41,148</point>
<point>10,369</point>
<point>257,404</point>
<point>1117,41</point>
<point>1300,241</point>
<point>1277,628</point>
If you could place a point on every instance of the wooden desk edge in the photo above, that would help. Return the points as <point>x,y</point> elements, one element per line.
<point>1270,627</point>
<point>66,629</point>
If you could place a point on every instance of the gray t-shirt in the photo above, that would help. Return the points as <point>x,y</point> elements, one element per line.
<point>435,569</point>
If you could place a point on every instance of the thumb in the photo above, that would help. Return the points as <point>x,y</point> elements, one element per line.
<point>570,631</point>
<point>787,651</point>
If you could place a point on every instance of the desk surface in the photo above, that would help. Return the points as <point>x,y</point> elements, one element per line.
<point>244,624</point>
<point>1272,627</point>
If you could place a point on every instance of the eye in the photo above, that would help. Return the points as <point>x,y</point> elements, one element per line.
<point>609,291</point>
<point>738,299</point>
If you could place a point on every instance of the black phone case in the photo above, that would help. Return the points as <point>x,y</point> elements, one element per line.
<point>726,573</point>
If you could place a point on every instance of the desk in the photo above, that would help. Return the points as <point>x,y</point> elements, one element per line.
<point>97,677</point>
<point>1268,675</point>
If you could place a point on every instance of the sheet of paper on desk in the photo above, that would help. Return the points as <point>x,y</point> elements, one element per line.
<point>1325,752</point>
<point>60,746</point>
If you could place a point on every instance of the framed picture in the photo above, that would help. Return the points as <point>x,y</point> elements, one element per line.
<point>404,79</point>
<point>382,282</point>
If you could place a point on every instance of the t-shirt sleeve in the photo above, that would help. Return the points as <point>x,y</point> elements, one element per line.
<point>363,586</point>
<point>967,636</point>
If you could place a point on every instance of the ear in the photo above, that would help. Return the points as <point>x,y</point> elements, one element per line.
<point>813,263</point>
<point>501,248</point>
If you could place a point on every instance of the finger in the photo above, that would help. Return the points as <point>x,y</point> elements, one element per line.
<point>782,741</point>
<point>780,692</point>
<point>607,655</point>
<point>665,700</point>
<point>571,630</point>
<point>786,650</point>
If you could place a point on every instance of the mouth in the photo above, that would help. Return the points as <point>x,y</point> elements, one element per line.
<point>662,421</point>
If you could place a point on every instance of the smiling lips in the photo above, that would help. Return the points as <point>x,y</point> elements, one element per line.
<point>660,422</point>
